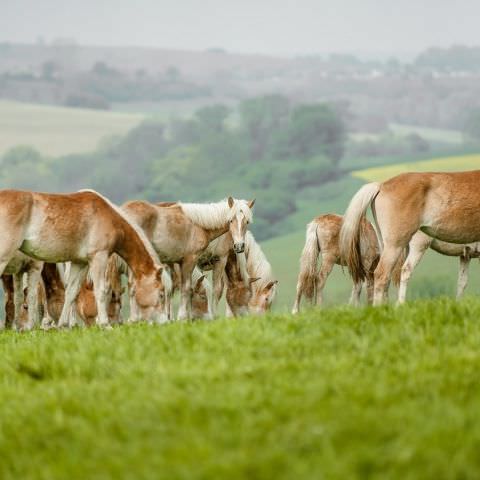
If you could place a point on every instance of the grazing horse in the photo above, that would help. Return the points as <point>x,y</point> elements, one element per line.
<point>252,263</point>
<point>322,237</point>
<point>238,294</point>
<point>180,232</point>
<point>257,266</point>
<point>53,294</point>
<point>417,247</point>
<point>445,206</point>
<point>85,229</point>
<point>18,265</point>
<point>86,306</point>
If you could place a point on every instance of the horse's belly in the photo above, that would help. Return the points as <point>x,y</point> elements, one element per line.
<point>51,252</point>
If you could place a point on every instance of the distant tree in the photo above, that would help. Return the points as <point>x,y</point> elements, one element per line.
<point>172,74</point>
<point>261,117</point>
<point>49,69</point>
<point>212,118</point>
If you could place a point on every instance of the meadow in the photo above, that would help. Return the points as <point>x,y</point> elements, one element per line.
<point>59,130</point>
<point>337,393</point>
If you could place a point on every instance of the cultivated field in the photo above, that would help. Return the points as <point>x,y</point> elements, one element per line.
<point>58,131</point>
<point>341,393</point>
<point>445,164</point>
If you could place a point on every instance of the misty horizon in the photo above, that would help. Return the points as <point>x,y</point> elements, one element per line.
<point>308,27</point>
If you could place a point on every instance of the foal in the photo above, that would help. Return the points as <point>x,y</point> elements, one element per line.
<point>417,247</point>
<point>322,237</point>
<point>84,228</point>
<point>445,206</point>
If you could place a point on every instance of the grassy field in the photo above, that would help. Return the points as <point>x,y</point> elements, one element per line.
<point>57,130</point>
<point>341,393</point>
<point>433,134</point>
<point>445,164</point>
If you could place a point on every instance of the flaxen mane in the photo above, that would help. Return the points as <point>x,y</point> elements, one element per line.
<point>215,215</point>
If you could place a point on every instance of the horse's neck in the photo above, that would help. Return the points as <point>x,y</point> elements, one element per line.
<point>132,249</point>
<point>214,233</point>
<point>52,280</point>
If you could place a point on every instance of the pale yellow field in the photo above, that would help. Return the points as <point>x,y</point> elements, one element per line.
<point>447,164</point>
<point>58,130</point>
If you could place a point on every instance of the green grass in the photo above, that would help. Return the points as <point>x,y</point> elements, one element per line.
<point>57,130</point>
<point>432,134</point>
<point>339,393</point>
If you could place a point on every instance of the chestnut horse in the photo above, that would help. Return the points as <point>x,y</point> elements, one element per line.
<point>85,229</point>
<point>180,232</point>
<point>322,237</point>
<point>445,206</point>
<point>417,247</point>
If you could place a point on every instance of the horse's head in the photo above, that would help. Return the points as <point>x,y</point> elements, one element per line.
<point>115,305</point>
<point>241,216</point>
<point>152,294</point>
<point>238,296</point>
<point>262,300</point>
<point>200,300</point>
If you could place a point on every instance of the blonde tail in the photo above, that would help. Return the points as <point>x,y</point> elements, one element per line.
<point>352,231</point>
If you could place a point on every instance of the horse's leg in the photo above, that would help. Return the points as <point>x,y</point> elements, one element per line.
<point>7,322</point>
<point>131,298</point>
<point>228,311</point>
<point>383,272</point>
<point>75,279</point>
<point>33,282</point>
<point>328,261</point>
<point>98,267</point>
<point>463,275</point>
<point>217,281</point>
<point>187,266</point>
<point>370,284</point>
<point>18,298</point>
<point>416,253</point>
<point>355,296</point>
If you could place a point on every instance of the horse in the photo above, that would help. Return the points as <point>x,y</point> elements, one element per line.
<point>257,266</point>
<point>322,237</point>
<point>201,293</point>
<point>417,247</point>
<point>18,265</point>
<point>84,228</point>
<point>52,293</point>
<point>85,304</point>
<point>445,206</point>
<point>239,294</point>
<point>180,232</point>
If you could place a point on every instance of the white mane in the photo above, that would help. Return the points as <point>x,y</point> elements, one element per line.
<point>215,215</point>
<point>257,263</point>
<point>132,223</point>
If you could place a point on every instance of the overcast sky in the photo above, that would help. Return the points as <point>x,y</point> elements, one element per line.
<point>263,26</point>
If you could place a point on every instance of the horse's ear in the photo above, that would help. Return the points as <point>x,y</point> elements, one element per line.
<point>231,201</point>
<point>199,283</point>
<point>159,274</point>
<point>251,203</point>
<point>270,285</point>
<point>253,280</point>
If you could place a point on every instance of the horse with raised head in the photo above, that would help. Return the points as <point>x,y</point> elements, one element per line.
<point>445,206</point>
<point>180,232</point>
<point>322,238</point>
<point>417,247</point>
<point>84,228</point>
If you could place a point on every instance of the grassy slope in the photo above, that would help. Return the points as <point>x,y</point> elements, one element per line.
<point>284,251</point>
<point>57,130</point>
<point>341,394</point>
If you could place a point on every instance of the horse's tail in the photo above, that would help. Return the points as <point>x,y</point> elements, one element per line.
<point>352,231</point>
<point>308,262</point>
